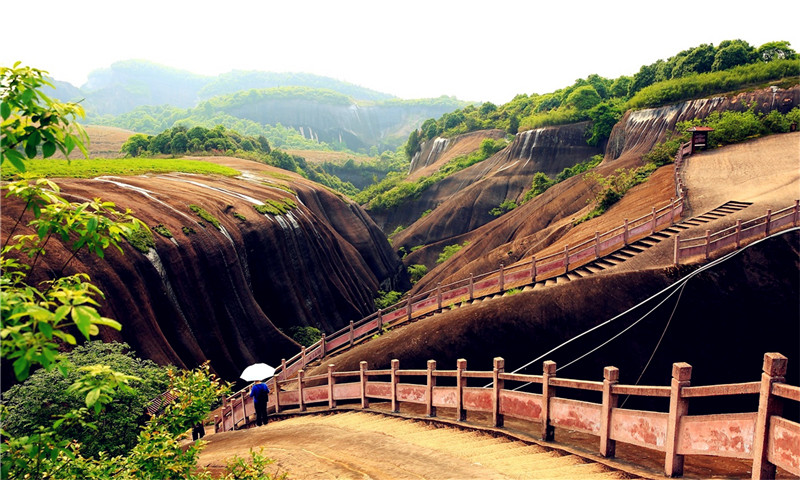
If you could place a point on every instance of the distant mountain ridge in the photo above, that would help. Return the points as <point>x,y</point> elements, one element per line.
<point>148,98</point>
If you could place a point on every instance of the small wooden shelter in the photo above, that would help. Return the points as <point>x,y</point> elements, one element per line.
<point>699,137</point>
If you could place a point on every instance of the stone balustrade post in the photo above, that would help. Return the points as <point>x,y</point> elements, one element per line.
<point>767,224</point>
<point>678,408</point>
<point>322,346</point>
<point>774,369</point>
<point>243,395</point>
<point>610,400</point>
<point>738,234</point>
<point>461,365</point>
<point>625,232</point>
<point>653,225</point>
<point>430,410</point>
<point>283,369</point>
<point>438,296</point>
<point>362,376</point>
<point>303,357</point>
<point>548,392</point>
<point>276,393</point>
<point>380,320</point>
<point>409,306</point>
<point>352,334</point>
<point>331,386</point>
<point>497,387</point>
<point>596,245</point>
<point>533,269</point>
<point>566,258</point>
<point>708,244</point>
<point>395,380</point>
<point>676,257</point>
<point>672,211</point>
<point>471,287</point>
<point>300,399</point>
<point>502,281</point>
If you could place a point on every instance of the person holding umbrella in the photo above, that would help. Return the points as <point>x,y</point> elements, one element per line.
<point>260,395</point>
<point>260,391</point>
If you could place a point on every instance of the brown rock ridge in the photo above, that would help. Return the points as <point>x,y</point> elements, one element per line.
<point>221,295</point>
<point>547,219</point>
<point>462,201</point>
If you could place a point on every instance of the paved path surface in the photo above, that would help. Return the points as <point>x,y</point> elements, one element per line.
<point>362,445</point>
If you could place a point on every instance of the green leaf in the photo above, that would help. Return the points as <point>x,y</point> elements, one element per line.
<point>5,110</point>
<point>92,396</point>
<point>48,149</point>
<point>46,329</point>
<point>30,149</point>
<point>21,368</point>
<point>16,159</point>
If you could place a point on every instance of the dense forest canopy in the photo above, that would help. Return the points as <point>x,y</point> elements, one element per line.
<point>703,70</point>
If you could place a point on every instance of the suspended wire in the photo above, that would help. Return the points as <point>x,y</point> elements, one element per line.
<point>658,344</point>
<point>677,284</point>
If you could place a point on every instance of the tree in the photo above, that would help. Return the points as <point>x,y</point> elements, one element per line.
<point>699,60</point>
<point>732,53</point>
<point>583,98</point>
<point>46,395</point>
<point>776,51</point>
<point>31,120</point>
<point>135,145</point>
<point>416,272</point>
<point>604,116</point>
<point>179,142</point>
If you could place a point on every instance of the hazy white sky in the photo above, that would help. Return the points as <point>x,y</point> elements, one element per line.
<point>474,50</point>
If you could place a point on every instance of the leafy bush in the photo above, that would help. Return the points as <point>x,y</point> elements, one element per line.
<point>387,299</point>
<point>504,207</point>
<point>46,395</point>
<point>305,336</point>
<point>450,250</point>
<point>539,185</point>
<point>416,272</point>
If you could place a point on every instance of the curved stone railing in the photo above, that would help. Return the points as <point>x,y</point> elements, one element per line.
<point>763,436</point>
<point>744,232</point>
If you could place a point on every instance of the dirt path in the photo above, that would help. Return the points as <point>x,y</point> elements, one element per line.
<point>373,446</point>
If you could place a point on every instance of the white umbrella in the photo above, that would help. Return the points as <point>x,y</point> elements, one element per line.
<point>257,371</point>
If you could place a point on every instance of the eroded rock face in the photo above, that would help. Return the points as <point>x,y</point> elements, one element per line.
<point>638,131</point>
<point>222,294</point>
<point>461,203</point>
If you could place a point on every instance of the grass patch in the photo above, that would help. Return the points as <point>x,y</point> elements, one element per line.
<point>141,239</point>
<point>239,216</point>
<point>162,230</point>
<point>95,167</point>
<point>202,213</point>
<point>188,230</point>
<point>276,207</point>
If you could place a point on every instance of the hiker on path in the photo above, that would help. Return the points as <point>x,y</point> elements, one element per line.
<point>260,395</point>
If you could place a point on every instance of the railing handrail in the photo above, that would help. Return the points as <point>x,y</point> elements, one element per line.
<point>668,431</point>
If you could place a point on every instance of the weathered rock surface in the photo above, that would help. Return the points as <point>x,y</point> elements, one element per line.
<point>461,202</point>
<point>547,219</point>
<point>222,294</point>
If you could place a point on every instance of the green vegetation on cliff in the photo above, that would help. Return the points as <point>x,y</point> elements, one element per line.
<point>393,191</point>
<point>693,73</point>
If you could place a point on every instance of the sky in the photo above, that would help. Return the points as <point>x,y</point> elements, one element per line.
<point>473,50</point>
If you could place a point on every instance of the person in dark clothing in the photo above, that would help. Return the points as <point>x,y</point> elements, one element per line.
<point>260,395</point>
<point>198,431</point>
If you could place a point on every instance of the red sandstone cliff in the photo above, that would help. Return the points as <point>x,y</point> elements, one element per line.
<point>222,294</point>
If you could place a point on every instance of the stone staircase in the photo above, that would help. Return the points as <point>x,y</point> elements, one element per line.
<point>634,248</point>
